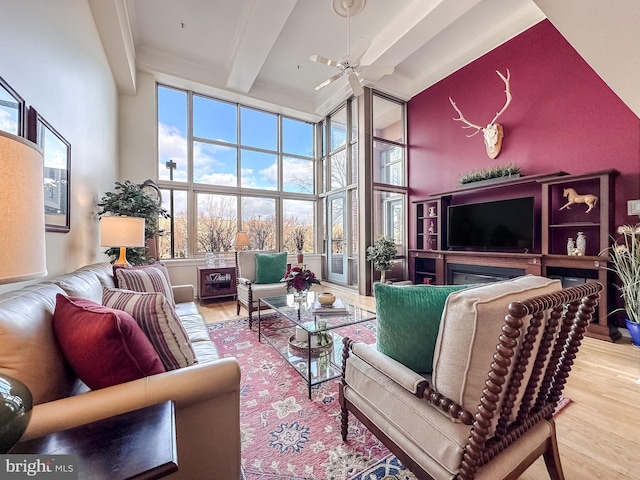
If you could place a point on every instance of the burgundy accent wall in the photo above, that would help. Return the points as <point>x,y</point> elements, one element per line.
<point>562,117</point>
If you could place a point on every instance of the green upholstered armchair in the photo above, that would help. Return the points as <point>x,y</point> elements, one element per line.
<point>502,356</point>
<point>258,278</point>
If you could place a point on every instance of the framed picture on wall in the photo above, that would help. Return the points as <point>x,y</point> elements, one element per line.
<point>57,171</point>
<point>12,108</point>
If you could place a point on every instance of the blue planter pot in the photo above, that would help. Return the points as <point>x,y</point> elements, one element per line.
<point>634,331</point>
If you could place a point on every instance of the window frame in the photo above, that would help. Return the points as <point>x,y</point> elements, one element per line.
<point>193,189</point>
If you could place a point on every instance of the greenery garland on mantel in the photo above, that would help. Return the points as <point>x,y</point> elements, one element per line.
<point>500,172</point>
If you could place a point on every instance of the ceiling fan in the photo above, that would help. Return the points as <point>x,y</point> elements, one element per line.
<point>349,66</point>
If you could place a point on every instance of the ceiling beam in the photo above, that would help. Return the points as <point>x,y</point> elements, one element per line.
<point>260,27</point>
<point>413,27</point>
<point>113,24</point>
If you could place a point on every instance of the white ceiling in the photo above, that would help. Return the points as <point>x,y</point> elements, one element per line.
<point>257,51</point>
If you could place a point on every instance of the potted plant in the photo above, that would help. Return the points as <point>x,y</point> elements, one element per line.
<point>510,170</point>
<point>298,238</point>
<point>381,255</point>
<point>625,258</point>
<point>129,199</point>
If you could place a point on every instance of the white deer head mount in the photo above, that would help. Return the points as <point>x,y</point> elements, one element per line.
<point>493,132</point>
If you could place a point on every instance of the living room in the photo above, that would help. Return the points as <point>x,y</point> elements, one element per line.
<point>563,117</point>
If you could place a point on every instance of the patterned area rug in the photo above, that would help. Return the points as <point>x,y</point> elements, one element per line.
<point>285,435</point>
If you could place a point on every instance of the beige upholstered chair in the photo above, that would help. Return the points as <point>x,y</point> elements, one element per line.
<point>250,292</point>
<point>486,410</point>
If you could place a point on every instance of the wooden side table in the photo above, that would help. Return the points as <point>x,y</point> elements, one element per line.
<point>140,444</point>
<point>216,282</point>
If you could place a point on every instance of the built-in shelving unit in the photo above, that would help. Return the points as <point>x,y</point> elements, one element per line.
<point>432,262</point>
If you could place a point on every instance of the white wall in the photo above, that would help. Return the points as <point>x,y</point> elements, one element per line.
<point>137,126</point>
<point>51,54</point>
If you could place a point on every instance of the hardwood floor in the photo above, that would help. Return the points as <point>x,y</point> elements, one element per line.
<point>598,433</point>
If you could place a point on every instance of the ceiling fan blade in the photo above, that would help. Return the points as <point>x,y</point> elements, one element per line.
<point>364,45</point>
<point>328,81</point>
<point>376,71</point>
<point>324,60</point>
<point>356,88</point>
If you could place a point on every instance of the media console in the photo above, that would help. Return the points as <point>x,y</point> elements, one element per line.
<point>433,262</point>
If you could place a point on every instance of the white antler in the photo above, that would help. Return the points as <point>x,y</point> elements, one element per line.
<point>507,91</point>
<point>464,120</point>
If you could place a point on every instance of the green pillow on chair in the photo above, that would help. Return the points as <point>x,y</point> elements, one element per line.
<point>408,322</point>
<point>270,267</point>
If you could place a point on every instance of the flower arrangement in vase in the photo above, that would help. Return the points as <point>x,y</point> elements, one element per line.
<point>625,260</point>
<point>300,279</point>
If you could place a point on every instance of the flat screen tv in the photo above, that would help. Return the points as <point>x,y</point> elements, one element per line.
<point>501,225</point>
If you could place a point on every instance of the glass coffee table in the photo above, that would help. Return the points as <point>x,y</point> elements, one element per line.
<point>296,320</point>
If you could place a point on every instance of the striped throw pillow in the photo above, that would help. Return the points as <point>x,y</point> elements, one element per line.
<point>158,320</point>
<point>145,278</point>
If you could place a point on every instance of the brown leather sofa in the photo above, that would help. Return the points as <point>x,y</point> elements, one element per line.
<point>206,395</point>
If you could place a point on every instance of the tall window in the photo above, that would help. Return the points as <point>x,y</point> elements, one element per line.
<point>339,188</point>
<point>225,167</point>
<point>389,170</point>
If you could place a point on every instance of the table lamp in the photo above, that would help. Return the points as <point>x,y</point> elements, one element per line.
<point>122,232</point>
<point>22,257</point>
<point>242,240</point>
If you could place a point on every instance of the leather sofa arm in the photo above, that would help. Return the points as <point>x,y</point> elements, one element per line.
<point>183,293</point>
<point>406,378</point>
<point>186,386</point>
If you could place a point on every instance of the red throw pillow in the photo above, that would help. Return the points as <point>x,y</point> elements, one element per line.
<point>104,346</point>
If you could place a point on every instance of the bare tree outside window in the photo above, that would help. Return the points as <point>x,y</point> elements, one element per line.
<point>217,223</point>
<point>261,230</point>
<point>298,215</point>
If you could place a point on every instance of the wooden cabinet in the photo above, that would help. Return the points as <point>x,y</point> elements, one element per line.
<point>431,261</point>
<point>426,267</point>
<point>216,282</point>
<point>431,223</point>
<point>596,222</point>
<point>561,221</point>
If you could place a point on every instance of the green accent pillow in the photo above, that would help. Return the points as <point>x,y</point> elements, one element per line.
<point>408,322</point>
<point>270,267</point>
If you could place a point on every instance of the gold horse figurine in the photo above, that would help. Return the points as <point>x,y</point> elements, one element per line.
<point>574,197</point>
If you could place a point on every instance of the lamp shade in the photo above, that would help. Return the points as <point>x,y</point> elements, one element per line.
<point>242,240</point>
<point>22,256</point>
<point>122,231</point>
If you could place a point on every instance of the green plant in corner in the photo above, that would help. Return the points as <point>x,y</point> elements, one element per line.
<point>129,199</point>
<point>381,255</point>
<point>502,171</point>
<point>625,261</point>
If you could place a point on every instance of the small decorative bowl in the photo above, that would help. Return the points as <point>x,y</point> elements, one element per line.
<point>326,298</point>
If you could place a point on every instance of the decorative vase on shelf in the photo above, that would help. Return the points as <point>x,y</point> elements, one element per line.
<point>581,243</point>
<point>570,246</point>
<point>634,331</point>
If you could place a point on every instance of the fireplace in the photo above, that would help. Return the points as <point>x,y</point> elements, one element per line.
<point>460,274</point>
